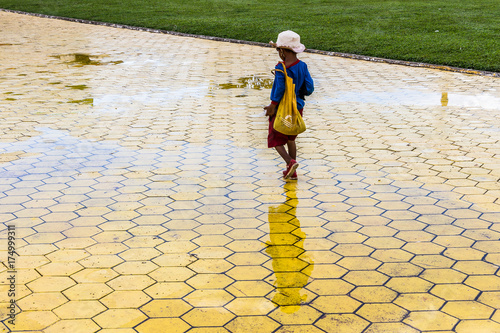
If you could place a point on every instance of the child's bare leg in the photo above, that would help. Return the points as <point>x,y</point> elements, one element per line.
<point>283,153</point>
<point>292,149</point>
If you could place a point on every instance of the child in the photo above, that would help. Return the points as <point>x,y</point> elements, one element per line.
<point>288,45</point>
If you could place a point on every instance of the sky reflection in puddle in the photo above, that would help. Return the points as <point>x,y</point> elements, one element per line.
<point>419,98</point>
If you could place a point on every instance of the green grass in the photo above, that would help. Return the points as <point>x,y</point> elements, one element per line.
<point>460,33</point>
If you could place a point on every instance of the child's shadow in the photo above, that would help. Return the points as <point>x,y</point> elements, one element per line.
<point>291,264</point>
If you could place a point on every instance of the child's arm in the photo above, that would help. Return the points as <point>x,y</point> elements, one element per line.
<point>270,109</point>
<point>308,84</point>
<point>277,91</point>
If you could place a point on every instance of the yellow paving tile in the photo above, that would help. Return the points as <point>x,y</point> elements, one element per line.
<point>125,299</point>
<point>477,326</point>
<point>214,316</point>
<point>165,308</point>
<point>119,318</point>
<point>335,304</point>
<point>390,328</point>
<point>468,310</point>
<point>41,301</point>
<point>344,323</point>
<point>296,315</point>
<point>382,312</point>
<point>137,209</point>
<point>33,320</point>
<point>430,320</point>
<point>419,301</point>
<point>79,309</point>
<point>76,325</point>
<point>454,292</point>
<point>158,325</point>
<point>51,284</point>
<point>87,291</point>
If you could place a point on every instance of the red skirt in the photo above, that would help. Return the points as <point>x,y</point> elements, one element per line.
<point>275,138</point>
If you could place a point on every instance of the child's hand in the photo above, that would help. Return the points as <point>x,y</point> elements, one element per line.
<point>270,109</point>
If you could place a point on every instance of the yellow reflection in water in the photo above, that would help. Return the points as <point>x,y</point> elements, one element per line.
<point>285,247</point>
<point>444,99</point>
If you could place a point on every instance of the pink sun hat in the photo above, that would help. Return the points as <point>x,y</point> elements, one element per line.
<point>289,40</point>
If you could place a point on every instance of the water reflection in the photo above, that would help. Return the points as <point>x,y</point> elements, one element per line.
<point>82,59</point>
<point>257,82</point>
<point>417,97</point>
<point>285,247</point>
<point>444,99</point>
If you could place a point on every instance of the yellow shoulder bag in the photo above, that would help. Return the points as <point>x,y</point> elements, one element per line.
<point>288,119</point>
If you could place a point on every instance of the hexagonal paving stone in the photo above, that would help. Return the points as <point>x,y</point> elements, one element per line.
<point>248,273</point>
<point>208,317</point>
<point>250,306</point>
<point>209,281</point>
<point>326,287</point>
<point>87,291</point>
<point>208,298</point>
<point>249,288</point>
<point>419,301</point>
<point>365,278</point>
<point>335,304</point>
<point>171,274</point>
<point>79,309</point>
<point>295,315</point>
<point>374,294</point>
<point>467,310</point>
<point>119,318</point>
<point>484,282</point>
<point>165,308</point>
<point>33,320</point>
<point>342,323</point>
<point>73,325</point>
<point>41,301</point>
<point>158,325</point>
<point>400,269</point>
<point>135,267</point>
<point>168,290</point>
<point>359,263</point>
<point>430,321</point>
<point>408,284</point>
<point>491,298</point>
<point>382,312</point>
<point>125,299</point>
<point>454,292</point>
<point>51,284</point>
<point>477,326</point>
<point>252,323</point>
<point>443,275</point>
<point>130,282</point>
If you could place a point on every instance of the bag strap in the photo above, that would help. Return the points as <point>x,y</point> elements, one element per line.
<point>279,70</point>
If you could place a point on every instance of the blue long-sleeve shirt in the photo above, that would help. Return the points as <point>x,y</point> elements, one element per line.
<point>301,78</point>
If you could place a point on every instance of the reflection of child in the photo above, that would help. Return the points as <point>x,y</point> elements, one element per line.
<point>291,263</point>
<point>288,45</point>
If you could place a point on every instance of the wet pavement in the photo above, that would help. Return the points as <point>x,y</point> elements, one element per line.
<point>141,197</point>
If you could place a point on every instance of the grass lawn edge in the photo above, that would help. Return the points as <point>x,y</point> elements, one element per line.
<point>237,41</point>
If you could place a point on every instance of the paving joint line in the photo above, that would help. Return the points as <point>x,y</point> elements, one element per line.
<point>237,41</point>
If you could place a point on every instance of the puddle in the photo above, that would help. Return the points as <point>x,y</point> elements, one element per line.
<point>89,101</point>
<point>78,87</point>
<point>149,97</point>
<point>82,59</point>
<point>419,98</point>
<point>257,82</point>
